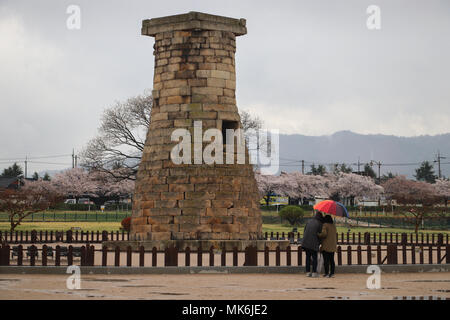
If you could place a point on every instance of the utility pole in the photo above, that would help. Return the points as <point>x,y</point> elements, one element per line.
<point>359,164</point>
<point>439,157</point>
<point>26,165</point>
<point>379,169</point>
<point>76,161</point>
<point>303,166</point>
<point>73,158</point>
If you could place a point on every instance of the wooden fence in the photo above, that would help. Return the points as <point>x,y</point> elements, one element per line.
<point>62,236</point>
<point>347,238</point>
<point>371,238</point>
<point>88,255</point>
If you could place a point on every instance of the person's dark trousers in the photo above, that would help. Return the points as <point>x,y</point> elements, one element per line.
<point>311,255</point>
<point>328,262</point>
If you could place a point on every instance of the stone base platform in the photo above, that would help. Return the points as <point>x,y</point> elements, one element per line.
<point>195,244</point>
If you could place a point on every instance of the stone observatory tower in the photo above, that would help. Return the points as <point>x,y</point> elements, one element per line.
<point>194,89</point>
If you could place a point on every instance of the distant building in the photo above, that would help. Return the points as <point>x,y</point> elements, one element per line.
<point>10,183</point>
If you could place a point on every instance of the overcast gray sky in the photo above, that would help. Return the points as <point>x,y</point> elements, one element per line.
<point>307,67</point>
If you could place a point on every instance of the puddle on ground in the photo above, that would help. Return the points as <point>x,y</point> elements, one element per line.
<point>429,281</point>
<point>6,280</point>
<point>441,290</point>
<point>81,290</point>
<point>169,293</point>
<point>107,280</point>
<point>338,298</point>
<point>419,298</point>
<point>389,288</point>
<point>142,286</point>
<point>324,288</point>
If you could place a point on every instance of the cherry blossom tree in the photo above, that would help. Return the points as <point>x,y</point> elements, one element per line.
<point>355,187</point>
<point>20,203</point>
<point>75,183</point>
<point>442,187</point>
<point>268,185</point>
<point>421,196</point>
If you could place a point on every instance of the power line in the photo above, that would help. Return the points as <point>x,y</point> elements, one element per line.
<point>40,157</point>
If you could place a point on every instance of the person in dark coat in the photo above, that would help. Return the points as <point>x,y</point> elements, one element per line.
<point>311,243</point>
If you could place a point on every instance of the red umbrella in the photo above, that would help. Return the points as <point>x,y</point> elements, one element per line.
<point>332,207</point>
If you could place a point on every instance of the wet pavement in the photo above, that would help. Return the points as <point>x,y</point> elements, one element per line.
<point>400,286</point>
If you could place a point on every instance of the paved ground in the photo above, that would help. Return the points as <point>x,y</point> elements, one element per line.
<point>225,287</point>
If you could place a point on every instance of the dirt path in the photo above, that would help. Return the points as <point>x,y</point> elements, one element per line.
<point>221,287</point>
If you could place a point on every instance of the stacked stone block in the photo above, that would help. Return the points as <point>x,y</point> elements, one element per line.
<point>194,80</point>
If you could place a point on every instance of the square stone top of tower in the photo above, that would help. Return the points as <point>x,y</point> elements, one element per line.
<point>193,21</point>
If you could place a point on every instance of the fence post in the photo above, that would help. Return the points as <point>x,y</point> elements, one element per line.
<point>129,256</point>
<point>141,256</point>
<point>90,255</point>
<point>33,236</point>
<point>339,255</point>
<point>69,236</point>
<point>438,249</point>
<point>211,256</point>
<point>117,256</point>
<point>369,255</point>
<point>7,255</point>
<point>447,253</point>
<point>104,236</point>
<point>430,254</point>
<point>367,238</point>
<point>299,256</point>
<point>349,255</point>
<point>413,254</point>
<point>20,255</point>
<point>83,255</point>
<point>33,251</point>
<point>266,256</point>
<point>392,254</point>
<point>359,255</point>
<point>187,258</point>
<point>104,256</point>
<point>288,255</point>
<point>235,257</point>
<point>277,256</point>
<point>421,254</point>
<point>251,254</point>
<point>223,257</point>
<point>44,255</point>
<point>200,256</point>
<point>58,256</point>
<point>154,257</point>
<point>404,257</point>
<point>70,256</point>
<point>379,260</point>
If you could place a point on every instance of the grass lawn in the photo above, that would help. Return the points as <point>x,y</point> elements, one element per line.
<point>115,226</point>
<point>287,228</point>
<point>63,226</point>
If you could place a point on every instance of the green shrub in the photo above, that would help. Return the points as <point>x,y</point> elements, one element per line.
<point>293,214</point>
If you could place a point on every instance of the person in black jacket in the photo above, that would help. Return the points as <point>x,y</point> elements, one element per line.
<point>311,243</point>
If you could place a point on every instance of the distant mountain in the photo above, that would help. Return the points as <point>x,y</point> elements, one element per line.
<point>347,147</point>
